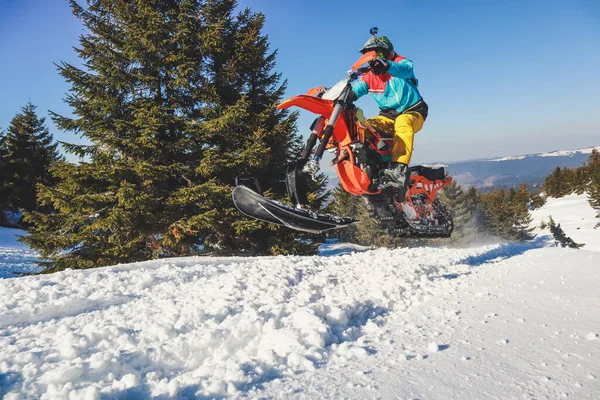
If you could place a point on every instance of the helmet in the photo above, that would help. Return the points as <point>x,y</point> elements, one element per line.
<point>379,44</point>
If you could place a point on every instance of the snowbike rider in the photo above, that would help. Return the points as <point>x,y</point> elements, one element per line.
<point>402,113</point>
<point>393,85</point>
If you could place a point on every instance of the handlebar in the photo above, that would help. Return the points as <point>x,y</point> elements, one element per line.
<point>352,76</point>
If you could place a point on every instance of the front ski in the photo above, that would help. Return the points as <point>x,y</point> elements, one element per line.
<point>258,207</point>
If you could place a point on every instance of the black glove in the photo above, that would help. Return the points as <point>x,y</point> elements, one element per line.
<point>352,97</point>
<point>379,66</point>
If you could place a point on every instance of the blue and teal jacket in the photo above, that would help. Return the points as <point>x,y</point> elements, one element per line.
<point>394,91</point>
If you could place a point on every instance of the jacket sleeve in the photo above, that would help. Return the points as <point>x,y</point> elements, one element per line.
<point>402,69</point>
<point>360,88</point>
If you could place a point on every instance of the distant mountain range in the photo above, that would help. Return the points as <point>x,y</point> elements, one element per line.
<point>508,171</point>
<point>512,170</point>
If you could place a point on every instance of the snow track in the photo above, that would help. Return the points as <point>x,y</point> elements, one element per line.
<point>275,326</point>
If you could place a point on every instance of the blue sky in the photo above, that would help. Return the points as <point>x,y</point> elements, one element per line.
<point>500,77</point>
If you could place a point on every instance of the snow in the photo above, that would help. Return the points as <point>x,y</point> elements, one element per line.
<point>508,158</point>
<point>492,321</point>
<point>332,247</point>
<point>566,153</point>
<point>575,216</point>
<point>557,153</point>
<point>435,165</point>
<point>14,256</point>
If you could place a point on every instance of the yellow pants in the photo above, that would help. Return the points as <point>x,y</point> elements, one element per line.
<point>404,128</point>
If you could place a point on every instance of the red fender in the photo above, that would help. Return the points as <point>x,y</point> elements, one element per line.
<point>323,107</point>
<point>313,104</point>
<point>368,56</point>
<point>353,179</point>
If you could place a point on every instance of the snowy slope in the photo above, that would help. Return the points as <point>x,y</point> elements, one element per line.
<point>489,322</point>
<point>575,216</point>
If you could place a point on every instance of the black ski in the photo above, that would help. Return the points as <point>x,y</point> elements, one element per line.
<point>256,206</point>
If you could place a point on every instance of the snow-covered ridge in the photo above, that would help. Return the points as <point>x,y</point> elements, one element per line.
<point>567,153</point>
<point>557,153</point>
<point>508,158</point>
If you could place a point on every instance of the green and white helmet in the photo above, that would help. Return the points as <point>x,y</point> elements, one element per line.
<point>379,44</point>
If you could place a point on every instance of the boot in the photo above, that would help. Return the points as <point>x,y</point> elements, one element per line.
<point>396,175</point>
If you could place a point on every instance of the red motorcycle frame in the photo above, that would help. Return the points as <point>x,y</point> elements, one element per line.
<point>342,127</point>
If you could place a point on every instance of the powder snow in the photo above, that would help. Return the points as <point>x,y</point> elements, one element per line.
<point>488,322</point>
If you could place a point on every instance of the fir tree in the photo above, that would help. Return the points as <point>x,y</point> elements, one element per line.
<point>580,179</point>
<point>476,221</point>
<point>346,204</point>
<point>593,168</point>
<point>507,214</point>
<point>366,231</point>
<point>463,212</point>
<point>537,201</point>
<point>556,184</point>
<point>3,199</point>
<point>560,237</point>
<point>28,152</point>
<point>177,99</point>
<point>496,212</point>
<point>519,204</point>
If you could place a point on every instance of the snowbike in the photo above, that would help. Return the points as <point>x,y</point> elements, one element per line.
<point>361,153</point>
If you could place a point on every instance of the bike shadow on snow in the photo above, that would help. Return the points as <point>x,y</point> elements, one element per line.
<point>504,251</point>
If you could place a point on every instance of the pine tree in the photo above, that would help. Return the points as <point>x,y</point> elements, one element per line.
<point>507,214</point>
<point>346,204</point>
<point>580,179</point>
<point>3,199</point>
<point>496,212</point>
<point>454,199</point>
<point>561,238</point>
<point>177,99</point>
<point>28,152</point>
<point>366,231</point>
<point>537,201</point>
<point>522,219</point>
<point>476,224</point>
<point>593,168</point>
<point>554,184</point>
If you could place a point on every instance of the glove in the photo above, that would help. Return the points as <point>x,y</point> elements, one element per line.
<point>379,66</point>
<point>311,168</point>
<point>352,97</point>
